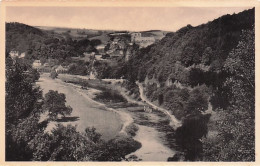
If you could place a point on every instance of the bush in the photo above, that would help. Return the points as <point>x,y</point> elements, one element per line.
<point>53,74</point>
<point>131,129</point>
<point>110,95</point>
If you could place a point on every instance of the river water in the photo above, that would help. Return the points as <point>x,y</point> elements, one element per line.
<point>108,122</point>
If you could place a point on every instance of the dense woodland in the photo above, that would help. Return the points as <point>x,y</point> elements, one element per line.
<point>211,64</point>
<point>214,63</point>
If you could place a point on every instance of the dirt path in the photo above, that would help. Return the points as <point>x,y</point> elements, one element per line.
<point>175,123</point>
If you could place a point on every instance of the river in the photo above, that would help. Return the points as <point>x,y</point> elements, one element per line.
<point>111,121</point>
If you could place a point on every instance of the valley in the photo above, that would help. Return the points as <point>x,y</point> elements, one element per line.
<point>104,95</point>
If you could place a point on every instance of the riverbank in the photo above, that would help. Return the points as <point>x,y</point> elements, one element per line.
<point>150,129</point>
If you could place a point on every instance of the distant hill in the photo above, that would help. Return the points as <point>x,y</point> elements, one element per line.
<point>157,34</point>
<point>46,42</point>
<point>20,37</point>
<point>77,33</point>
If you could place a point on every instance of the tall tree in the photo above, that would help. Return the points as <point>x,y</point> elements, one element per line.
<point>236,125</point>
<point>54,103</point>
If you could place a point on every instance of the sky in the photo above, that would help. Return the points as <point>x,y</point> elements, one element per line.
<point>118,18</point>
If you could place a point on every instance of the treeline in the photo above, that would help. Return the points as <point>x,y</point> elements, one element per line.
<point>26,139</point>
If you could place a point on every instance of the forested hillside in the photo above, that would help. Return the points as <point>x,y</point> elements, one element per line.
<point>207,44</point>
<point>197,67</point>
<point>39,44</point>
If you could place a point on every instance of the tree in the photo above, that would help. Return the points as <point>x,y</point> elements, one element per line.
<point>241,64</point>
<point>23,107</point>
<point>117,148</point>
<point>206,56</point>
<point>236,125</point>
<point>93,135</point>
<point>198,100</point>
<point>53,74</point>
<point>63,144</point>
<point>34,75</point>
<point>95,42</point>
<point>21,96</point>
<point>54,103</point>
<point>160,99</point>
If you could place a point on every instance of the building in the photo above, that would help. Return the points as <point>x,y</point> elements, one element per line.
<point>37,64</point>
<point>101,48</point>
<point>61,69</point>
<point>98,57</point>
<point>137,38</point>
<point>14,54</point>
<point>148,109</point>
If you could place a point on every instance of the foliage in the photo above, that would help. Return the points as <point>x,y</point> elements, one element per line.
<point>93,135</point>
<point>194,128</point>
<point>131,129</point>
<point>236,132</point>
<point>110,95</point>
<point>53,74</point>
<point>95,42</point>
<point>208,44</point>
<point>181,102</point>
<point>21,96</point>
<point>23,106</point>
<point>241,65</point>
<point>62,144</point>
<point>40,44</point>
<point>117,148</point>
<point>197,101</point>
<point>79,68</point>
<point>54,103</point>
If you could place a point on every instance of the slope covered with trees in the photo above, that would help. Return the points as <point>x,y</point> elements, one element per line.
<point>39,44</point>
<point>208,44</point>
<point>194,67</point>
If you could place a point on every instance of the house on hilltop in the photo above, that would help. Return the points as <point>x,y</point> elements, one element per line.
<point>101,48</point>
